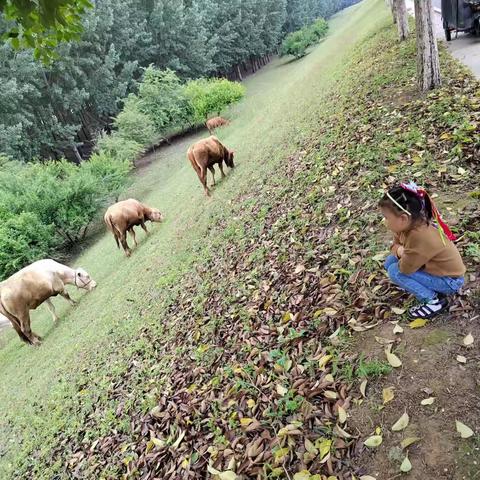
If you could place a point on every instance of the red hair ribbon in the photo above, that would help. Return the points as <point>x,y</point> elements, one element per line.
<point>422,194</point>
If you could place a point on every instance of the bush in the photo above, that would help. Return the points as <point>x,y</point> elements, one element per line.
<point>118,148</point>
<point>319,29</point>
<point>23,240</point>
<point>46,206</point>
<point>162,97</point>
<point>110,172</point>
<point>212,96</point>
<point>62,194</point>
<point>297,43</point>
<point>133,124</point>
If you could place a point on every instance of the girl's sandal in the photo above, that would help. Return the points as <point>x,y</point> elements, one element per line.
<point>430,309</point>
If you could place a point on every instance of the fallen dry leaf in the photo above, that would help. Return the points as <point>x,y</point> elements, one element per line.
<point>397,329</point>
<point>363,388</point>
<point>427,401</point>
<point>342,415</point>
<point>388,395</point>
<point>409,441</point>
<point>303,475</point>
<point>401,423</point>
<point>373,441</point>
<point>406,466</point>
<point>340,432</point>
<point>418,323</point>
<point>468,340</point>
<point>463,430</point>
<point>281,390</point>
<point>245,422</point>
<point>330,395</point>
<point>323,361</point>
<point>461,359</point>
<point>392,359</point>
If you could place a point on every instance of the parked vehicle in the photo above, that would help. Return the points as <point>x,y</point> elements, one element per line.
<point>460,16</point>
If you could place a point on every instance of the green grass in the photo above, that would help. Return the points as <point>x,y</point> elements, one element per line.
<point>100,336</point>
<point>372,368</point>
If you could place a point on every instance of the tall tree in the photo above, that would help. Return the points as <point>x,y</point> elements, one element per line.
<point>402,19</point>
<point>428,62</point>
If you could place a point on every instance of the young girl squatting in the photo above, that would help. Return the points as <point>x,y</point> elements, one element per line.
<point>424,261</point>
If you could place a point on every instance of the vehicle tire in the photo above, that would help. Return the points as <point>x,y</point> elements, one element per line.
<point>448,34</point>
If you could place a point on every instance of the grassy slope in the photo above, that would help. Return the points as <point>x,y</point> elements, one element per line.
<point>268,125</point>
<point>233,304</point>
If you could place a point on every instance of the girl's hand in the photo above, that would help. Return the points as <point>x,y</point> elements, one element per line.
<point>400,251</point>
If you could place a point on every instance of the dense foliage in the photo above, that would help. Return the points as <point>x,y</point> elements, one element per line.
<point>54,110</point>
<point>44,206</point>
<point>296,43</point>
<point>42,25</point>
<point>164,105</point>
<point>212,96</point>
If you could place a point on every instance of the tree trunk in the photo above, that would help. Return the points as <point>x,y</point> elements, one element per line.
<point>428,62</point>
<point>402,19</point>
<point>77,155</point>
<point>239,72</point>
<point>392,5</point>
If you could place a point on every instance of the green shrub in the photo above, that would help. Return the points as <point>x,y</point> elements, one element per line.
<point>319,29</point>
<point>297,43</point>
<point>112,174</point>
<point>133,124</point>
<point>23,239</point>
<point>212,96</point>
<point>162,97</point>
<point>62,194</point>
<point>118,148</point>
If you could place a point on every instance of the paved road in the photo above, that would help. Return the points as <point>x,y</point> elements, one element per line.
<point>465,47</point>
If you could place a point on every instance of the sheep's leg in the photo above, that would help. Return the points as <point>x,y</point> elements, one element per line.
<point>203,178</point>
<point>24,318</point>
<point>67,297</point>
<point>144,227</point>
<point>22,336</point>
<point>51,309</point>
<point>123,241</point>
<point>132,233</point>
<point>212,171</point>
<point>220,166</point>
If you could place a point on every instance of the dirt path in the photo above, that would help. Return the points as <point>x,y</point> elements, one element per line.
<point>430,370</point>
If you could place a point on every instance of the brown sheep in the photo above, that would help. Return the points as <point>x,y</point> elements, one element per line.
<point>121,217</point>
<point>205,154</point>
<point>216,122</point>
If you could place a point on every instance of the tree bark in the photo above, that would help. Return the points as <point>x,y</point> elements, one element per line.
<point>428,62</point>
<point>392,5</point>
<point>239,72</point>
<point>402,19</point>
